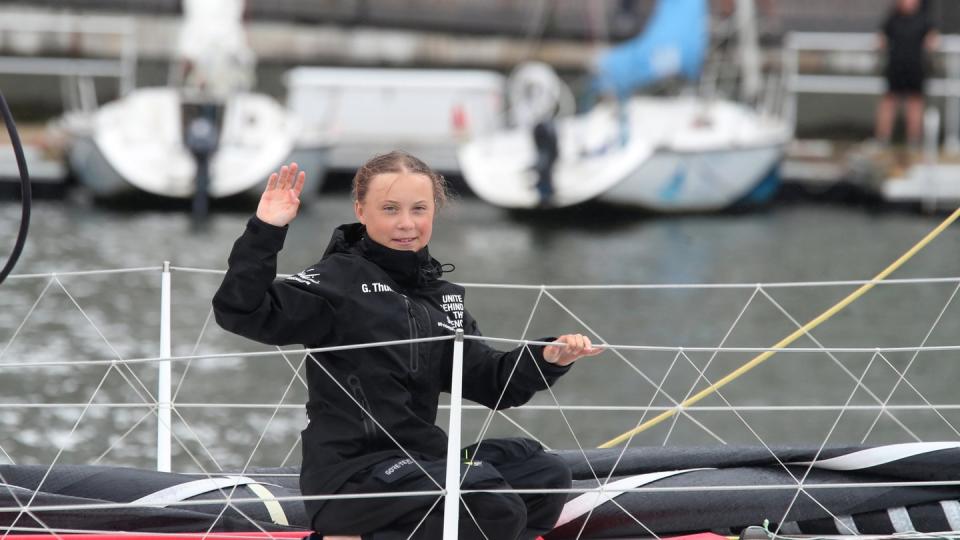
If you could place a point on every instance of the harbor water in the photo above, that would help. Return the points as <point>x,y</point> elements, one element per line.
<point>232,411</point>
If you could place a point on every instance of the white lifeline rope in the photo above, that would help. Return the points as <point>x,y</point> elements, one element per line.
<point>612,347</point>
<point>681,286</point>
<point>508,286</point>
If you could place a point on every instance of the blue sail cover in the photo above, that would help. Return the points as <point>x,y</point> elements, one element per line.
<point>674,43</point>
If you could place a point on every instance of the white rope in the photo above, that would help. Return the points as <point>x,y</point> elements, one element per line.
<point>191,270</point>
<point>675,348</point>
<point>662,286</point>
<point>509,286</point>
<point>615,348</point>
<point>53,275</point>
<point>231,356</point>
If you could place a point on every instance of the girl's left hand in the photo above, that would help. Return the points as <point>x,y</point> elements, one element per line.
<point>577,346</point>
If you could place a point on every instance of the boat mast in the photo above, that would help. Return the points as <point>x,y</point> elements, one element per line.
<point>749,50</point>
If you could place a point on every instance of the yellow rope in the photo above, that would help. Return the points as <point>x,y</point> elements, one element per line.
<point>759,359</point>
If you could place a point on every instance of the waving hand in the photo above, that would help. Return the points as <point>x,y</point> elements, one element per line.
<point>281,199</point>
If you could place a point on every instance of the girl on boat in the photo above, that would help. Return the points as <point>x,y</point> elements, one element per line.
<point>372,411</point>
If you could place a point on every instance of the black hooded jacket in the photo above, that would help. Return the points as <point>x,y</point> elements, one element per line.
<point>363,292</point>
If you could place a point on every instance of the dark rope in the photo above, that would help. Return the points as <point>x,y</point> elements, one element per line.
<point>24,189</point>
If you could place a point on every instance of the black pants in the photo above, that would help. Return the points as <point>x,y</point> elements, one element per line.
<point>498,464</point>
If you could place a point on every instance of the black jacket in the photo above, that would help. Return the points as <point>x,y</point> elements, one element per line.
<point>362,292</point>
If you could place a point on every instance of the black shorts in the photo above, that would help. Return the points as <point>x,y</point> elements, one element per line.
<point>905,77</point>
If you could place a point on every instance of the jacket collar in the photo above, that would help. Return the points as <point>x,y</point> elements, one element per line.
<point>406,268</point>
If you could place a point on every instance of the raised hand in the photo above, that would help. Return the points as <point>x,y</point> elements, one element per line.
<point>577,346</point>
<point>281,199</point>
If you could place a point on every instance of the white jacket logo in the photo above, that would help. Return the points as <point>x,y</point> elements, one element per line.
<point>374,287</point>
<point>452,305</point>
<point>305,277</point>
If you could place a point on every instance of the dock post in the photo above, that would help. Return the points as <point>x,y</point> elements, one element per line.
<point>163,375</point>
<point>451,503</point>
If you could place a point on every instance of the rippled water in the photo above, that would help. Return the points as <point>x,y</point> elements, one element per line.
<point>103,317</point>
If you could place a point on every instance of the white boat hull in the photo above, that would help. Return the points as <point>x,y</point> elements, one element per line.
<point>679,154</point>
<point>697,181</point>
<point>136,144</point>
<point>499,167</point>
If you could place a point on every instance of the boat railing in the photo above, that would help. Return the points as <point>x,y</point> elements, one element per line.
<point>861,55</point>
<point>114,36</point>
<point>163,403</point>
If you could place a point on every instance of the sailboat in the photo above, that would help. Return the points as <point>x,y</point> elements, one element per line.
<point>157,139</point>
<point>668,154</point>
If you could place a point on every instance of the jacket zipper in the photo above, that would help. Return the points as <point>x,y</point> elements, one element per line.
<point>369,428</point>
<point>412,326</point>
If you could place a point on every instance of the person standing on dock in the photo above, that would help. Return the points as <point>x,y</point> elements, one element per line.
<point>907,35</point>
<point>372,410</point>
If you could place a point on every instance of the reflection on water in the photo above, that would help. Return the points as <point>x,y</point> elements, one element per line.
<point>110,316</point>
